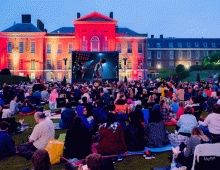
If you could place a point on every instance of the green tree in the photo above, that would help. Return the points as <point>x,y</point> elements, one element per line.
<point>125,80</point>
<point>28,78</point>
<point>64,81</point>
<point>5,71</point>
<point>180,68</point>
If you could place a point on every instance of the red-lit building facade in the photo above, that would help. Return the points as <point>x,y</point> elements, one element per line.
<point>26,49</point>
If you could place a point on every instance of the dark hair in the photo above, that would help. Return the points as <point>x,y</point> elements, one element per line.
<point>111,107</point>
<point>135,119</point>
<point>84,99</point>
<point>216,108</point>
<point>3,125</point>
<point>193,98</point>
<point>77,123</point>
<point>188,110</point>
<point>155,115</point>
<point>41,160</point>
<point>186,90</point>
<point>110,119</point>
<point>94,161</point>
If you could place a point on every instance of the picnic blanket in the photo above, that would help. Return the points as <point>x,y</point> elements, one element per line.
<point>24,114</point>
<point>57,126</point>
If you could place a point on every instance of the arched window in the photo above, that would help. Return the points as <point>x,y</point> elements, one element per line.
<point>95,44</point>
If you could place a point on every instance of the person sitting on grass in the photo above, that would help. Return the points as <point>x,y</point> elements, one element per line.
<point>6,112</point>
<point>180,111</point>
<point>42,133</point>
<point>67,117</point>
<point>27,107</point>
<point>6,143</point>
<point>174,107</point>
<point>14,106</point>
<point>41,160</point>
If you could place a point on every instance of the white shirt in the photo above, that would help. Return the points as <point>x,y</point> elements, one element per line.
<point>213,123</point>
<point>42,133</point>
<point>6,113</point>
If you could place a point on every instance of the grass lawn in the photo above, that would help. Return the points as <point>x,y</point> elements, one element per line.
<point>131,162</point>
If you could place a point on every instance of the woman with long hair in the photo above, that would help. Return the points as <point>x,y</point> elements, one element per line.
<point>185,157</point>
<point>151,99</point>
<point>78,141</point>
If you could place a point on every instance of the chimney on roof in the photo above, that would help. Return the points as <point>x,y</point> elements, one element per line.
<point>78,15</point>
<point>26,18</point>
<point>111,15</point>
<point>40,25</point>
<point>161,36</point>
<point>152,36</point>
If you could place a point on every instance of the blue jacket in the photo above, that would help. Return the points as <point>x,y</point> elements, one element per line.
<point>67,117</point>
<point>99,114</point>
<point>6,144</point>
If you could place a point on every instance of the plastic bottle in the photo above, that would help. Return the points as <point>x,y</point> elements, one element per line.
<point>173,164</point>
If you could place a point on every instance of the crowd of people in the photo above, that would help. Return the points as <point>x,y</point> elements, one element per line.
<point>91,116</point>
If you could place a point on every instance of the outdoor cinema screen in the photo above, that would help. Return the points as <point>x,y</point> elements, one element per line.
<point>87,66</point>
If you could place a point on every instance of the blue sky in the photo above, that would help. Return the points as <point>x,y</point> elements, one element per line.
<point>177,18</point>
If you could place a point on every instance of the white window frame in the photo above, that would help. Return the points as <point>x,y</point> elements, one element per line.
<point>205,45</point>
<point>59,48</point>
<point>48,48</point>
<point>118,47</point>
<point>213,45</point>
<point>129,48</point>
<point>70,48</point>
<point>49,64</point>
<point>171,63</point>
<point>197,45</point>
<point>33,66</point>
<point>180,45</point>
<point>21,47</point>
<point>70,64</point>
<point>149,64</point>
<point>148,45</point>
<point>9,47</point>
<point>33,45</point>
<point>170,45</point>
<point>158,45</point>
<point>180,55</point>
<point>141,48</point>
<point>148,55</point>
<point>59,63</point>
<point>206,53</point>
<point>189,54</point>
<point>158,55</point>
<point>171,55</point>
<point>197,54</point>
<point>9,64</point>
<point>188,45</point>
<point>129,64</point>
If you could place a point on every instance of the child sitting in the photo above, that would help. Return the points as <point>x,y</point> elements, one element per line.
<point>6,112</point>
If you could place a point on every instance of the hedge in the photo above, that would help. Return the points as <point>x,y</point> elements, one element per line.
<point>204,67</point>
<point>11,79</point>
<point>181,75</point>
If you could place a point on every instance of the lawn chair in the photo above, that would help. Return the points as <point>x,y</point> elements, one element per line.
<point>206,156</point>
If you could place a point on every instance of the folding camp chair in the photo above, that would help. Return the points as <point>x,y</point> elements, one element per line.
<point>206,156</point>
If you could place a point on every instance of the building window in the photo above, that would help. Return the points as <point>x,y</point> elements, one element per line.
<point>206,53</point>
<point>148,45</point>
<point>197,45</point>
<point>120,64</point>
<point>188,45</point>
<point>129,47</point>
<point>48,48</point>
<point>197,54</point>
<point>70,48</point>
<point>149,64</point>
<point>148,54</point>
<point>180,54</point>
<point>95,43</point>
<point>59,64</point>
<point>158,45</point>
<point>32,64</point>
<point>9,65</point>
<point>21,47</point>
<point>48,64</point>
<point>159,64</point>
<point>188,54</point>
<point>140,48</point>
<point>21,64</point>
<point>129,64</point>
<point>32,76</point>
<point>140,64</point>
<point>84,45</point>
<point>213,45</point>
<point>188,64</point>
<point>129,74</point>
<point>158,54</point>
<point>170,45</point>
<point>59,51</point>
<point>32,47</point>
<point>9,47</point>
<point>171,55</point>
<point>70,64</point>
<point>171,63</point>
<point>205,44</point>
<point>119,47</point>
<point>105,45</point>
<point>180,45</point>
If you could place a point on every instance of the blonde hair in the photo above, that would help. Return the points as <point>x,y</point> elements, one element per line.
<point>213,94</point>
<point>197,131</point>
<point>151,99</point>
<point>131,92</point>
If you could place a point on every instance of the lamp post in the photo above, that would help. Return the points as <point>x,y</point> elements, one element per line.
<point>65,60</point>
